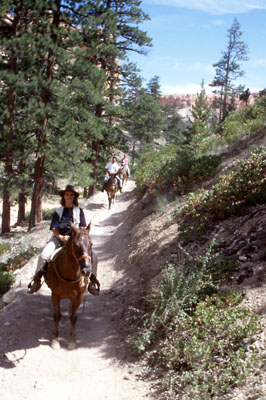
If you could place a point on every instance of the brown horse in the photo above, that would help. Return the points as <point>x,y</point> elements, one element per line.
<point>67,276</point>
<point>111,187</point>
<point>123,173</point>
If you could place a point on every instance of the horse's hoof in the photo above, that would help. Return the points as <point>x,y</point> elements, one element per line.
<point>71,345</point>
<point>92,289</point>
<point>55,344</point>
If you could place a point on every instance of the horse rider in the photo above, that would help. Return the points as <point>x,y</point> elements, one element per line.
<point>124,164</point>
<point>69,211</point>
<point>112,168</point>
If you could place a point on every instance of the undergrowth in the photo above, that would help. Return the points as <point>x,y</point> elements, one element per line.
<point>173,168</point>
<point>17,259</point>
<point>6,278</point>
<point>196,336</point>
<point>229,197</point>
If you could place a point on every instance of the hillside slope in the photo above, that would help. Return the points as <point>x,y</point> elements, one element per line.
<point>154,239</point>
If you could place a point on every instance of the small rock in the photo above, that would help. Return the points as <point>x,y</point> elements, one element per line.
<point>37,385</point>
<point>242,258</point>
<point>9,297</point>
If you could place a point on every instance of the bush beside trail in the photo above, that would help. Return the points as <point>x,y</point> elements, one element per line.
<point>173,168</point>
<point>229,197</point>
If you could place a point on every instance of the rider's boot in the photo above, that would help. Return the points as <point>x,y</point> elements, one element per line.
<point>35,284</point>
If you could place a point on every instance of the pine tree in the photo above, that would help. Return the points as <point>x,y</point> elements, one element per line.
<point>199,130</point>
<point>14,21</point>
<point>61,76</point>
<point>144,121</point>
<point>117,35</point>
<point>228,68</point>
<point>153,87</point>
<point>175,128</point>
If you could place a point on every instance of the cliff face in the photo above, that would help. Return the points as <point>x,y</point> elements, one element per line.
<point>184,102</point>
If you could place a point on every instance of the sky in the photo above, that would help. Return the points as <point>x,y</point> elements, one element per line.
<point>189,36</point>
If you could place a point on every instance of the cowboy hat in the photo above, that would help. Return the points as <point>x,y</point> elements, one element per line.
<point>69,188</point>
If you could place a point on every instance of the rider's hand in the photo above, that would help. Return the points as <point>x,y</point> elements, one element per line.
<point>63,238</point>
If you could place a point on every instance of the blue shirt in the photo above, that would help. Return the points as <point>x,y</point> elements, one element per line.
<point>66,217</point>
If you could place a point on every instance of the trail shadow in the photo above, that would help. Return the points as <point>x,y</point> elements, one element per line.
<point>30,325</point>
<point>93,206</point>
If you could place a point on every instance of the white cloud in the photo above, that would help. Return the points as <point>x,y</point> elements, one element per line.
<point>258,62</point>
<point>199,67</point>
<point>216,7</point>
<point>217,22</point>
<point>188,88</point>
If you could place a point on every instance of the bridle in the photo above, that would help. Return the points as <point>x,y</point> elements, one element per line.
<point>82,257</point>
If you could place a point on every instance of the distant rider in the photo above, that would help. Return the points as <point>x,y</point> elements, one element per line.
<point>124,164</point>
<point>112,168</point>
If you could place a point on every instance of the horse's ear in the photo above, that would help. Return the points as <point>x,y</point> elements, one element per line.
<point>73,227</point>
<point>89,227</point>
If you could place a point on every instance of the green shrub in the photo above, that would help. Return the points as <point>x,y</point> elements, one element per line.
<point>199,339</point>
<point>176,295</point>
<point>244,122</point>
<point>6,278</point>
<point>22,256</point>
<point>222,268</point>
<point>173,168</point>
<point>47,214</point>
<point>4,247</point>
<point>230,196</point>
<point>210,351</point>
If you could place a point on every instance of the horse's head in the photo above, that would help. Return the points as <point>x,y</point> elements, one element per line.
<point>82,247</point>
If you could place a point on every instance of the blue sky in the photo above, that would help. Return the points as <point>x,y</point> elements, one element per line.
<point>189,36</point>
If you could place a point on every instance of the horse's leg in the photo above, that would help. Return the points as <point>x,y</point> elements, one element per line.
<point>57,316</point>
<point>74,305</point>
<point>110,200</point>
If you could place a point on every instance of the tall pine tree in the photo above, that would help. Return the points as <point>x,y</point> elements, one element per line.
<point>228,68</point>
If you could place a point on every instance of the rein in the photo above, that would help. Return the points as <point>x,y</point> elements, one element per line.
<point>60,277</point>
<point>78,259</point>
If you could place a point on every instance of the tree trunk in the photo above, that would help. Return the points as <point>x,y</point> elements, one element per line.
<point>95,155</point>
<point>133,153</point>
<point>6,212</point>
<point>22,200</point>
<point>36,203</point>
<point>94,173</point>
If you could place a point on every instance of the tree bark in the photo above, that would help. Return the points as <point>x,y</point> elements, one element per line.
<point>36,202</point>
<point>6,214</point>
<point>22,200</point>
<point>94,163</point>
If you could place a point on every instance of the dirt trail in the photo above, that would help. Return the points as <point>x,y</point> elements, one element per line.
<point>97,369</point>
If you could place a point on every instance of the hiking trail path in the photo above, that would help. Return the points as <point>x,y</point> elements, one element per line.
<point>99,368</point>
